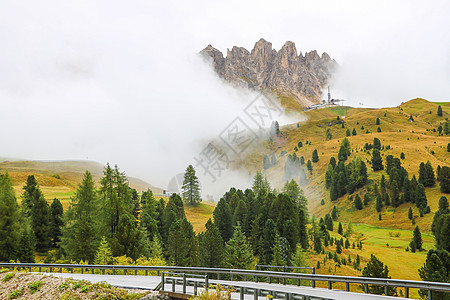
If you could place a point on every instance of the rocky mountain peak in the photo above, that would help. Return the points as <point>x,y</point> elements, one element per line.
<point>285,72</point>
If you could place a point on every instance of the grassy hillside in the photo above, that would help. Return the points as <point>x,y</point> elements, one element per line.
<point>415,139</point>
<point>59,179</point>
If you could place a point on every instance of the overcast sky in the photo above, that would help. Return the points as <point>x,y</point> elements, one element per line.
<point>120,82</point>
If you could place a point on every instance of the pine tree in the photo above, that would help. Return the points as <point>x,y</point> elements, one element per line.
<point>421,197</point>
<point>270,234</point>
<point>128,239</point>
<point>261,185</point>
<point>437,269</point>
<point>347,132</point>
<point>338,248</point>
<point>375,268</point>
<point>182,246</point>
<point>223,219</point>
<point>439,111</point>
<point>80,238</point>
<point>377,161</point>
<point>387,200</point>
<point>410,214</point>
<point>340,229</point>
<point>191,188</point>
<point>9,219</point>
<point>334,213</point>
<point>354,131</point>
<point>344,150</point>
<point>103,256</point>
<point>445,179</point>
<point>303,234</point>
<point>56,222</point>
<point>211,250</point>
<point>328,134</point>
<point>156,248</point>
<point>377,122</point>
<point>358,203</point>
<point>376,143</point>
<point>315,156</point>
<point>238,254</point>
<point>26,245</point>
<point>309,166</point>
<point>417,238</point>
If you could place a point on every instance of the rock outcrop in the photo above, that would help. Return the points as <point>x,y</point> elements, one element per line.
<point>285,73</point>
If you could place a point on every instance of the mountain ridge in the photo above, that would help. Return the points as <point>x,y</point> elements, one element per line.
<point>284,72</point>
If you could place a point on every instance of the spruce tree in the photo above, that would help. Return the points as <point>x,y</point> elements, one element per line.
<point>358,203</point>
<point>377,122</point>
<point>103,256</point>
<point>266,162</point>
<point>183,246</point>
<point>354,131</point>
<point>439,111</point>
<point>417,238</point>
<point>410,214</point>
<point>191,188</point>
<point>445,179</point>
<point>347,132</point>
<point>344,150</point>
<point>80,237</point>
<point>128,239</point>
<point>421,197</point>
<point>238,254</point>
<point>211,249</point>
<point>56,222</point>
<point>377,161</point>
<point>437,269</point>
<point>340,229</point>
<point>223,219</point>
<point>375,268</point>
<point>315,156</point>
<point>9,220</point>
<point>309,166</point>
<point>270,234</point>
<point>26,244</point>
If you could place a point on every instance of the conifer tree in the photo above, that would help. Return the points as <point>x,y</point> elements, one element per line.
<point>80,237</point>
<point>439,111</point>
<point>358,202</point>
<point>309,166</point>
<point>421,197</point>
<point>348,132</point>
<point>410,214</point>
<point>436,268</point>
<point>183,247</point>
<point>340,229</point>
<point>417,238</point>
<point>344,150</point>
<point>303,234</point>
<point>156,248</point>
<point>315,156</point>
<point>354,131</point>
<point>266,162</point>
<point>328,134</point>
<point>334,213</point>
<point>377,161</point>
<point>270,234</point>
<point>191,188</point>
<point>238,254</point>
<point>56,222</point>
<point>211,250</point>
<point>26,244</point>
<point>128,239</point>
<point>223,219</point>
<point>377,122</point>
<point>103,256</point>
<point>9,219</point>
<point>445,179</point>
<point>375,268</point>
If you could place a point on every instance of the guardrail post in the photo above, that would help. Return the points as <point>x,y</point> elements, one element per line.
<point>162,281</point>
<point>430,294</point>
<point>206,282</point>
<point>330,285</point>
<point>232,277</point>
<point>92,270</point>
<point>406,292</point>
<point>60,270</point>
<point>114,271</point>
<point>39,269</point>
<point>366,288</point>
<point>284,271</point>
<point>173,284</point>
<point>255,294</point>
<point>347,286</point>
<point>135,272</point>
<point>287,296</point>
<point>124,271</point>
<point>146,273</point>
<point>195,287</point>
<point>270,279</point>
<point>103,271</point>
<point>82,270</point>
<point>29,268</point>
<point>241,293</point>
<point>71,270</point>
<point>386,290</point>
<point>313,282</point>
<point>184,283</point>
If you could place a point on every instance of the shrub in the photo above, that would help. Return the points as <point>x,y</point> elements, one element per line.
<point>15,294</point>
<point>35,286</point>
<point>9,276</point>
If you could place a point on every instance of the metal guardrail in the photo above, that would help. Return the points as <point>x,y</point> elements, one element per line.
<point>287,269</point>
<point>184,281</point>
<point>249,275</point>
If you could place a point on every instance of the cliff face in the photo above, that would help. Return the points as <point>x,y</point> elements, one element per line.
<point>283,72</point>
